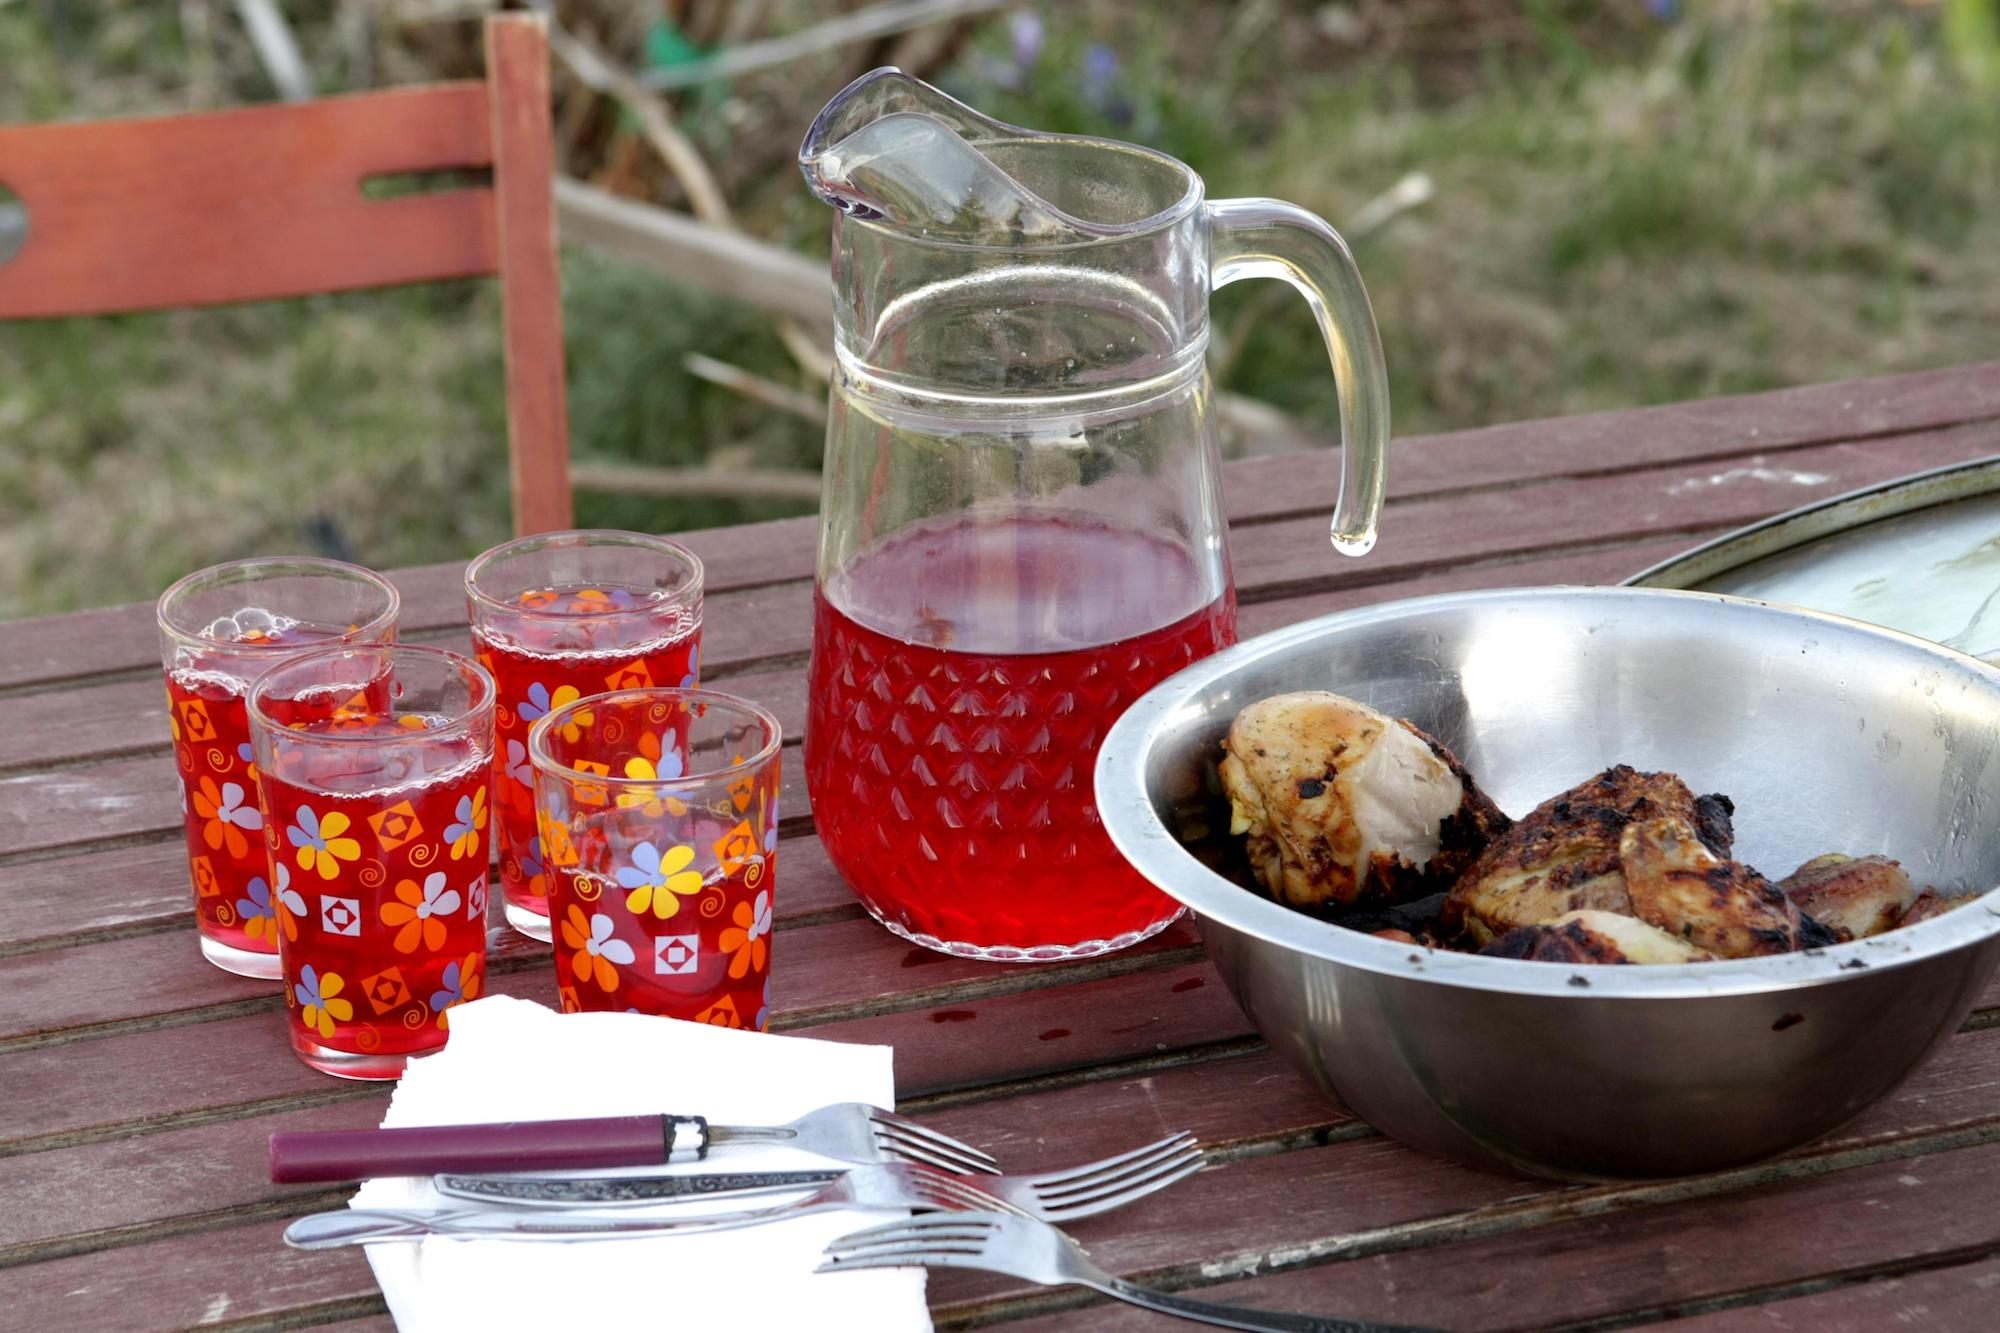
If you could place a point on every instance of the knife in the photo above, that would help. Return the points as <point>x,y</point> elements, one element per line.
<point>623,1191</point>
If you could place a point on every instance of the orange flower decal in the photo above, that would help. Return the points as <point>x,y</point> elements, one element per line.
<point>594,949</point>
<point>420,912</point>
<point>747,942</point>
<point>227,816</point>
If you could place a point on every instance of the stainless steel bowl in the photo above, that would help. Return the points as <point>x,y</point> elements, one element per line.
<point>1830,735</point>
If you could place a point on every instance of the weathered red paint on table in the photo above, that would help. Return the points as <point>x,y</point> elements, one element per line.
<point>139,1084</point>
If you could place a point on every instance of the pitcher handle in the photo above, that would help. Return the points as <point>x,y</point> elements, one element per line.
<point>1268,238</point>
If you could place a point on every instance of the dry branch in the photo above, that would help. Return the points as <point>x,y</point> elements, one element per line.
<point>750,483</point>
<point>756,387</point>
<point>863,24</point>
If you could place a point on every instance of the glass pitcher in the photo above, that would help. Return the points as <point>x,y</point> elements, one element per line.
<point>1022,528</point>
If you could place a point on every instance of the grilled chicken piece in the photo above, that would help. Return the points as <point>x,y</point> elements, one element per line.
<point>1931,903</point>
<point>1676,883</point>
<point>1343,804</point>
<point>1595,937</point>
<point>1564,856</point>
<point>1853,897</point>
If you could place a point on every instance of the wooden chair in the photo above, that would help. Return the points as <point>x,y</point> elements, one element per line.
<point>262,202</point>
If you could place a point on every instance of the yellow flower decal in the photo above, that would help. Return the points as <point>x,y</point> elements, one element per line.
<point>318,994</point>
<point>320,844</point>
<point>654,879</point>
<point>463,831</point>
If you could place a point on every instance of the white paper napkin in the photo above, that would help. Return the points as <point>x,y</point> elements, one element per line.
<point>512,1060</point>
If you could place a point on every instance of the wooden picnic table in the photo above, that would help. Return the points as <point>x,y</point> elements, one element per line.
<point>137,1083</point>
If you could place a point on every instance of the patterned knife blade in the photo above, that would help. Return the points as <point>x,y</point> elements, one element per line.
<point>613,1191</point>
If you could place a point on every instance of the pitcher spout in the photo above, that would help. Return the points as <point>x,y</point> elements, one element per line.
<point>892,150</point>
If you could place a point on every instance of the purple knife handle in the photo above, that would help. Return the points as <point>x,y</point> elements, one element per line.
<point>520,1145</point>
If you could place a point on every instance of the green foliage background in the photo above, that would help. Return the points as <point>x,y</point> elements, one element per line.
<point>1634,203</point>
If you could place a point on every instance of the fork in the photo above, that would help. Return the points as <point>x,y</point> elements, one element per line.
<point>858,1132</point>
<point>1082,1191</point>
<point>1053,1196</point>
<point>1034,1251</point>
<point>845,1131</point>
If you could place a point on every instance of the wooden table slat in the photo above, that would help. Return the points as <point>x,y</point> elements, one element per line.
<point>1657,1260</point>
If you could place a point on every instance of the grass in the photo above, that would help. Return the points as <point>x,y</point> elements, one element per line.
<point>1627,210</point>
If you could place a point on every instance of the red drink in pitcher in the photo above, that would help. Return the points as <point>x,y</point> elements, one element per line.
<point>540,663</point>
<point>955,723</point>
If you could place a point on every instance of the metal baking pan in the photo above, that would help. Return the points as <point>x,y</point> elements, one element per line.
<point>1919,554</point>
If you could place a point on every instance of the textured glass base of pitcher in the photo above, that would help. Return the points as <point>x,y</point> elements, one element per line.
<point>1033,953</point>
<point>243,962</point>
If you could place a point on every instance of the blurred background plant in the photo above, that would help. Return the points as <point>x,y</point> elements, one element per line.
<point>1559,206</point>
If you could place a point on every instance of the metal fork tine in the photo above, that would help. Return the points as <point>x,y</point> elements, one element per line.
<point>1171,1143</point>
<point>930,1154</point>
<point>966,1198</point>
<point>922,1257</point>
<point>929,1157</point>
<point>1117,1179</point>
<point>943,1142</point>
<point>970,1159</point>
<point>1105,1203</point>
<point>917,1228</point>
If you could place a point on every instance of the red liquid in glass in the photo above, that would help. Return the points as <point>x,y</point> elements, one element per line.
<point>377,950</point>
<point>549,653</point>
<point>963,678</point>
<point>218,784</point>
<point>708,961</point>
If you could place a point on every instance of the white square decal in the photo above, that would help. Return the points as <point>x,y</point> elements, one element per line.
<point>675,955</point>
<point>340,916</point>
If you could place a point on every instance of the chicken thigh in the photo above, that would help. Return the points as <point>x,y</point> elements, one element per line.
<point>1565,855</point>
<point>1344,805</point>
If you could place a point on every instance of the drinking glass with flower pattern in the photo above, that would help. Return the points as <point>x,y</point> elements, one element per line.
<point>658,817</point>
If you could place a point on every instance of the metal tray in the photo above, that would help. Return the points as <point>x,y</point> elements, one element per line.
<point>1919,554</point>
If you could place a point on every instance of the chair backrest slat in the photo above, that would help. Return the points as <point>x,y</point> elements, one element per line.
<point>246,204</point>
